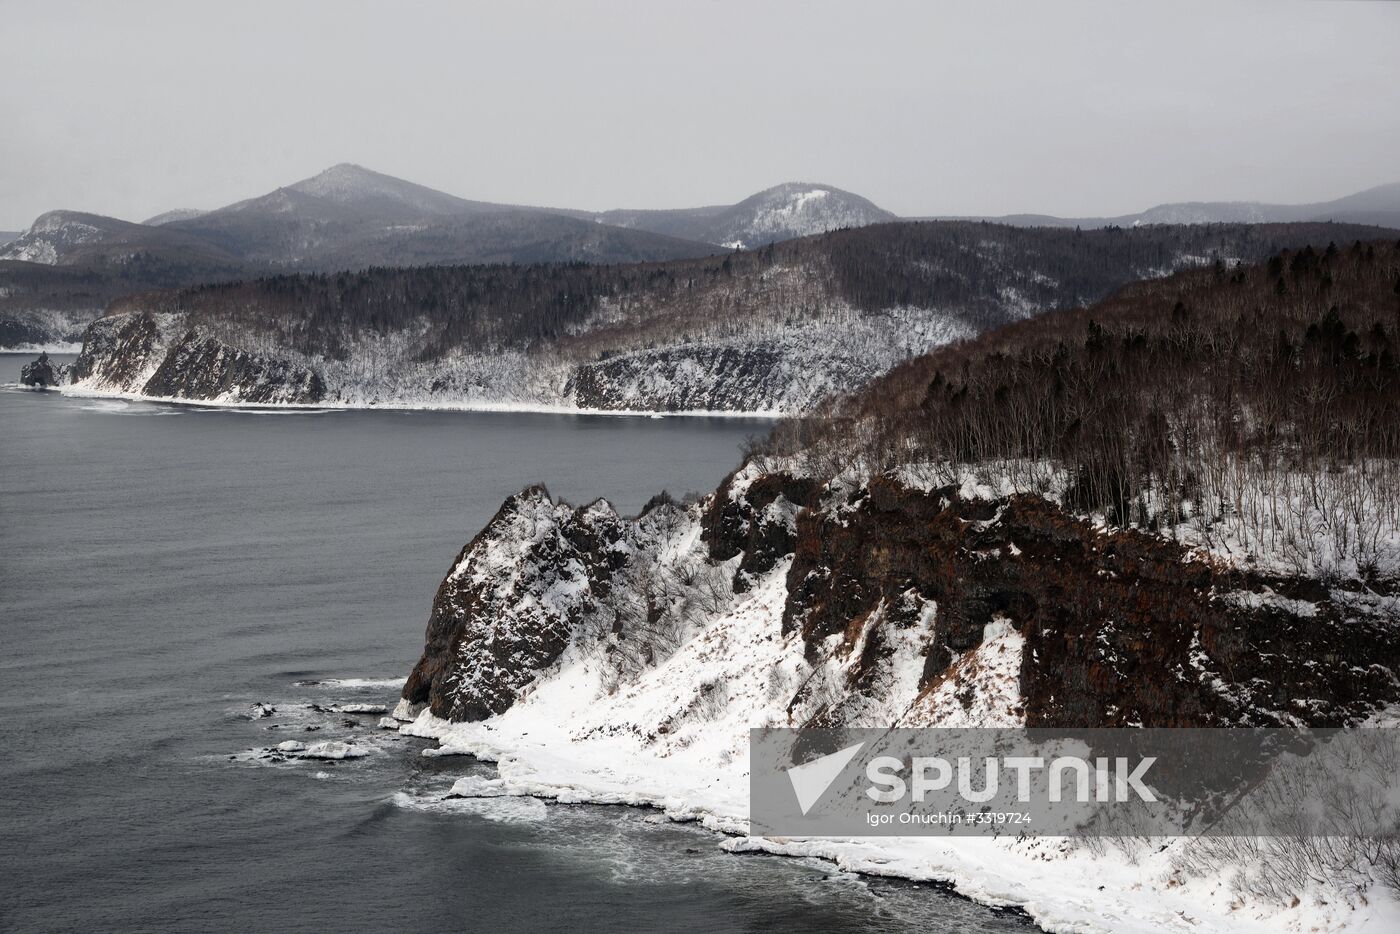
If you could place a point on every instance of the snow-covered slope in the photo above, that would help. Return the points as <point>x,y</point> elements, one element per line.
<point>795,209</point>
<point>783,369</point>
<point>596,658</point>
<point>933,552</point>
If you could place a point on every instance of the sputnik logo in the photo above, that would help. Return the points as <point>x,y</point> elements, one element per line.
<point>810,780</point>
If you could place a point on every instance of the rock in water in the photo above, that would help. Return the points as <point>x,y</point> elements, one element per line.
<point>43,373</point>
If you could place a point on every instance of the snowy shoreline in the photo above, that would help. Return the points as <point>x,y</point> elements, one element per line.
<point>1062,888</point>
<point>71,348</point>
<point>82,392</point>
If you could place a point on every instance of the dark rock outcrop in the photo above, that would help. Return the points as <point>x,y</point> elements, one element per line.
<point>200,367</point>
<point>509,605</point>
<point>683,379</point>
<point>43,373</point>
<point>756,520</point>
<point>1122,628</point>
<point>117,348</point>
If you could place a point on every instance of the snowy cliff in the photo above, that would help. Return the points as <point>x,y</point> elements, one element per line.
<point>894,581</point>
<point>598,658</point>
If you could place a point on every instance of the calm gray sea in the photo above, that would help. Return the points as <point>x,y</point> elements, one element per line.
<point>163,568</point>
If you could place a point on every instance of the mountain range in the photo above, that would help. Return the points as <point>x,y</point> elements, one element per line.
<point>68,266</point>
<point>350,217</point>
<point>59,274</point>
<point>1379,206</point>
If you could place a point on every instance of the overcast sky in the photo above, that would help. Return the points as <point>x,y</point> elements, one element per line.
<point>133,108</point>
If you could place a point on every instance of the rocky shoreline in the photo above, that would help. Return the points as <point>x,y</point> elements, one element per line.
<point>603,659</point>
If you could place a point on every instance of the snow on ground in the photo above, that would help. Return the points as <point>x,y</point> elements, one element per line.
<point>797,209</point>
<point>52,348</point>
<point>980,689</point>
<point>1336,525</point>
<point>83,391</point>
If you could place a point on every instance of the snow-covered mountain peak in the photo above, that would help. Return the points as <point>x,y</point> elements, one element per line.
<point>798,209</point>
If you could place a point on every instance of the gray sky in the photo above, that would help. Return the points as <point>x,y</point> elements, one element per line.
<point>133,108</point>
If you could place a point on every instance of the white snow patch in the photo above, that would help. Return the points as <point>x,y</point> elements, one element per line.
<point>334,749</point>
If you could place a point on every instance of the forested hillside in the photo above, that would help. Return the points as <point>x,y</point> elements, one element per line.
<point>1260,405</point>
<point>985,273</point>
<point>774,329</point>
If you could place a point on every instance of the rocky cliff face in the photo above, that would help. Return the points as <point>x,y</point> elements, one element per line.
<point>162,356</point>
<point>1121,628</point>
<point>515,598</point>
<point>881,603</point>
